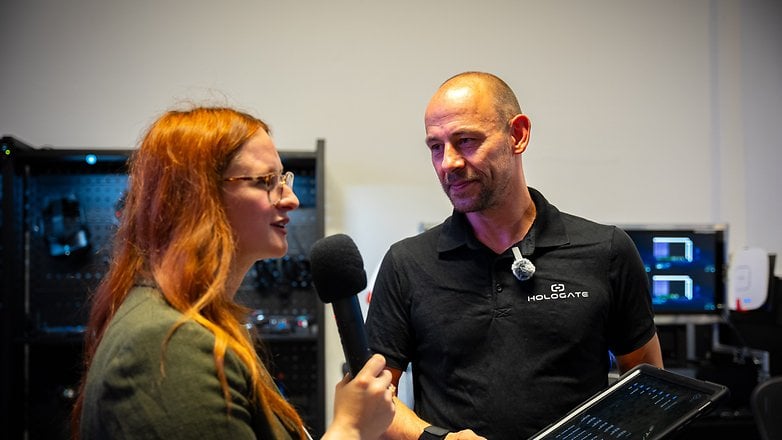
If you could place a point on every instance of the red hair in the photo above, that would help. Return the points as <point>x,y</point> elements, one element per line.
<point>174,233</point>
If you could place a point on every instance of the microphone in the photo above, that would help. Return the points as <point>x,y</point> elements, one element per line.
<point>338,275</point>
<point>522,268</point>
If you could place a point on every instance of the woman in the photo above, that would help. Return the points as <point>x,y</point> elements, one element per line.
<point>167,354</point>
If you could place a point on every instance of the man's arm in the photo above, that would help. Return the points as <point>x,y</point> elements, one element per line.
<point>648,353</point>
<point>408,426</point>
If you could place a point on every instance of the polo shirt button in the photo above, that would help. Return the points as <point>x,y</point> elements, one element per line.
<point>498,287</point>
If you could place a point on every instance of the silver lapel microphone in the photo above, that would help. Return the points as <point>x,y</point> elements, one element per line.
<point>522,268</point>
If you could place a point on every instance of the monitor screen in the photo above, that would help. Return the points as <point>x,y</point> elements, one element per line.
<point>685,264</point>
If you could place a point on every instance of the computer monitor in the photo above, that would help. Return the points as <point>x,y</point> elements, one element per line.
<point>685,264</point>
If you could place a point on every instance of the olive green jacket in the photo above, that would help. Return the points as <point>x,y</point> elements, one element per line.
<point>129,395</point>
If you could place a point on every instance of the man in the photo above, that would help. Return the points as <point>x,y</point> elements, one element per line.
<point>497,346</point>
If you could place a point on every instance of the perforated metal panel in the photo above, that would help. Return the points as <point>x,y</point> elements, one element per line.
<point>71,221</point>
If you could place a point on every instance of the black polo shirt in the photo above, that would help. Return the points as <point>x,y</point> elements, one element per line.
<point>498,355</point>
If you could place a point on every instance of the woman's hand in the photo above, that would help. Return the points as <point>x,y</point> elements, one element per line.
<point>364,405</point>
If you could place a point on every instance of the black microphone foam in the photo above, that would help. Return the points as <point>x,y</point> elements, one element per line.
<point>338,275</point>
<point>337,268</point>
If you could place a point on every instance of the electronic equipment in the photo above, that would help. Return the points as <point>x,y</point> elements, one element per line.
<point>749,276</point>
<point>644,403</point>
<point>685,264</point>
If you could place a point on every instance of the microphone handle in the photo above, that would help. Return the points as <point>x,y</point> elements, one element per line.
<point>350,324</point>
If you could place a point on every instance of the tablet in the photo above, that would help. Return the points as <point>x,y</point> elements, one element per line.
<point>645,403</point>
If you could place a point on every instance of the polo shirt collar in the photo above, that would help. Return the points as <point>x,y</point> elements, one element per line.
<point>548,229</point>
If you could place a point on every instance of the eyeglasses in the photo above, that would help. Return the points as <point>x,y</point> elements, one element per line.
<point>269,182</point>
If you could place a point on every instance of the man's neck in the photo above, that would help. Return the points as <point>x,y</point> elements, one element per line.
<point>501,227</point>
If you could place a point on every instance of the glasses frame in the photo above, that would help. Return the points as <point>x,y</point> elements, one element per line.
<point>271,181</point>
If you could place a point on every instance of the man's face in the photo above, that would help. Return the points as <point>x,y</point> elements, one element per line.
<point>471,149</point>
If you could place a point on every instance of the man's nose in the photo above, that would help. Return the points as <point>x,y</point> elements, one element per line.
<point>452,159</point>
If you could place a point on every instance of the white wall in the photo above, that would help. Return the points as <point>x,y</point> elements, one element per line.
<point>643,111</point>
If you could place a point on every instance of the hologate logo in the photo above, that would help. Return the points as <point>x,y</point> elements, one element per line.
<point>558,291</point>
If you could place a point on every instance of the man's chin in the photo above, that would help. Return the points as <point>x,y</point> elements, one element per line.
<point>464,205</point>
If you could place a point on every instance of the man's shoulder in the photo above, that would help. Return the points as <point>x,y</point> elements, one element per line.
<point>576,223</point>
<point>427,239</point>
<point>559,227</point>
<point>582,228</point>
<point>583,231</point>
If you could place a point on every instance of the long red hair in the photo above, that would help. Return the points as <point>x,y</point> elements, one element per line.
<point>174,233</point>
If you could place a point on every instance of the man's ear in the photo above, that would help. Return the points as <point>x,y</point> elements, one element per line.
<point>520,129</point>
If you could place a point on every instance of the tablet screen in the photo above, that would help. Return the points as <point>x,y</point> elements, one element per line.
<point>643,404</point>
